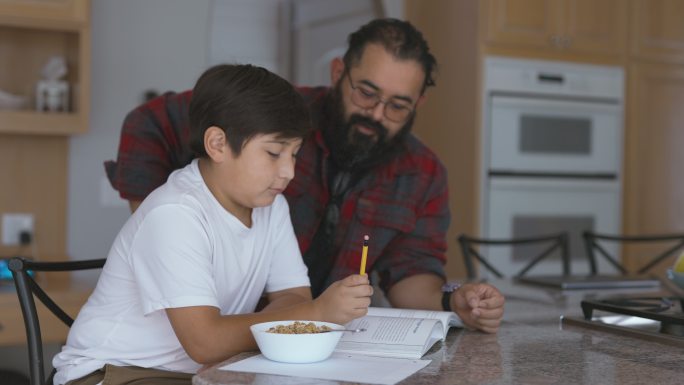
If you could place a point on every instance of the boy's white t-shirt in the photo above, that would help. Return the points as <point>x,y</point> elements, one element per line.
<point>180,248</point>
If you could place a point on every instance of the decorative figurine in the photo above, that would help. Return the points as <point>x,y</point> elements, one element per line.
<point>52,94</point>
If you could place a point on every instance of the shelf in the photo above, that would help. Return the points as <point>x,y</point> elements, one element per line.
<point>43,24</point>
<point>31,33</point>
<point>51,14</point>
<point>40,123</point>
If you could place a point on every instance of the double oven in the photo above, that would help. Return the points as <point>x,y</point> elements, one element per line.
<point>552,156</point>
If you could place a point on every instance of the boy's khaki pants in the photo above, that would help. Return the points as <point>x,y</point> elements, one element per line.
<point>132,375</point>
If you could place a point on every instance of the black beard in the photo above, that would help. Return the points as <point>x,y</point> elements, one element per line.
<point>351,149</point>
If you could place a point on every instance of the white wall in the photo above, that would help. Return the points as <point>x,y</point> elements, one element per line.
<point>248,31</point>
<point>136,45</point>
<point>393,8</point>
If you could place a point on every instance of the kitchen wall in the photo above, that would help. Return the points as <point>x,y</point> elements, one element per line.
<point>136,46</point>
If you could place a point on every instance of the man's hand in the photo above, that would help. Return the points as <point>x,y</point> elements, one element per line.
<point>479,305</point>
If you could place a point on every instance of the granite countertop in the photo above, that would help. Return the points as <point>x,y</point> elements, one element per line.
<point>531,347</point>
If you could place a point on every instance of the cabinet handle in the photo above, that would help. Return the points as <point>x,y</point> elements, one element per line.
<point>556,41</point>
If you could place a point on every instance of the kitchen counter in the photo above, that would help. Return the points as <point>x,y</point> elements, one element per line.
<point>531,347</point>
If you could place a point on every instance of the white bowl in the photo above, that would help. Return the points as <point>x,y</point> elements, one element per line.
<point>295,348</point>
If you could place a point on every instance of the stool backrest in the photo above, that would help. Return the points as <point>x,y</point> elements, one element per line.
<point>470,253</point>
<point>27,288</point>
<point>594,244</point>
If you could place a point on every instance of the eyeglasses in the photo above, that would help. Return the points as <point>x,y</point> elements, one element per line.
<point>366,97</point>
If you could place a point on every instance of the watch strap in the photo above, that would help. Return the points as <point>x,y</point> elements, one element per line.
<point>447,289</point>
<point>446,300</point>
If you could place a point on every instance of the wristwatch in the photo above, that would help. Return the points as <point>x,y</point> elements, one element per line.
<point>447,289</point>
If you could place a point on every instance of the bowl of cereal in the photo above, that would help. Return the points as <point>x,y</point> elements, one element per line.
<point>296,342</point>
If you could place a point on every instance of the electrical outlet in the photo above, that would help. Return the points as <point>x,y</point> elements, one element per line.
<point>13,224</point>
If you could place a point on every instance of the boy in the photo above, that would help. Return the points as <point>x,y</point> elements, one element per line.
<point>186,271</point>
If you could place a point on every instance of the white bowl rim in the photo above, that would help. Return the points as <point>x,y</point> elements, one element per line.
<point>263,326</point>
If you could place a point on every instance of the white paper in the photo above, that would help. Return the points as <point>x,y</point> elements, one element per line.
<point>339,367</point>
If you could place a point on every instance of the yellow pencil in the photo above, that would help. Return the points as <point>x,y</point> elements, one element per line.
<point>364,254</point>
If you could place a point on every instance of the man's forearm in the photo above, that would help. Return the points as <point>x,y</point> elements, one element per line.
<point>422,291</point>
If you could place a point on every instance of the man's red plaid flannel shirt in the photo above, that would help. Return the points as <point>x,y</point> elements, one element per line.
<point>402,204</point>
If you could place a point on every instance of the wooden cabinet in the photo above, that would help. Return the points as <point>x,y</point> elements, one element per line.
<point>653,153</point>
<point>658,30</point>
<point>31,32</point>
<point>645,37</point>
<point>34,145</point>
<point>596,27</point>
<point>529,23</point>
<point>565,27</point>
<point>654,183</point>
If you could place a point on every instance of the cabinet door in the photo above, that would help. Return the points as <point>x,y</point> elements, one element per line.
<point>598,27</point>
<point>658,31</point>
<point>654,183</point>
<point>526,23</point>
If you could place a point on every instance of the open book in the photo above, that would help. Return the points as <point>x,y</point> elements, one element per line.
<point>401,333</point>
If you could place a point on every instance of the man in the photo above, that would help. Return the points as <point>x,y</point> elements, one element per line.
<point>360,173</point>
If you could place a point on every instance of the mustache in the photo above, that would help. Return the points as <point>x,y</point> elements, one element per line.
<point>376,126</point>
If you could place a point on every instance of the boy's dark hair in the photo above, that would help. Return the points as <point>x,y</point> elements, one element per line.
<point>245,101</point>
<point>398,37</point>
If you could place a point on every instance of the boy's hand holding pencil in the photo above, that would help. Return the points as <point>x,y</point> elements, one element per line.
<point>349,298</point>
<point>345,300</point>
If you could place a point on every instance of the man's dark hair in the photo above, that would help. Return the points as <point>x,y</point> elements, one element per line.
<point>398,37</point>
<point>245,101</point>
